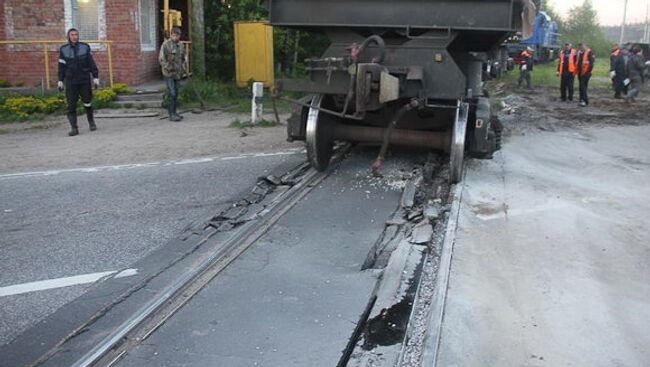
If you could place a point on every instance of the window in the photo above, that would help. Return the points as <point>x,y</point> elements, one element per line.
<point>147,25</point>
<point>85,17</point>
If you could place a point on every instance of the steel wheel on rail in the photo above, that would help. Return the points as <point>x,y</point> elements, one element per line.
<point>457,150</point>
<point>318,142</point>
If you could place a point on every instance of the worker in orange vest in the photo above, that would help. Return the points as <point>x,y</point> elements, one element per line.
<point>567,70</point>
<point>616,76</point>
<point>586,60</point>
<point>526,67</point>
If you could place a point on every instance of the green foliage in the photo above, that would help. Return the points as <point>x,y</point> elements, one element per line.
<point>121,88</point>
<point>581,25</point>
<point>288,45</point>
<point>105,95</point>
<point>219,33</point>
<point>22,107</point>
<point>4,84</point>
<point>544,75</point>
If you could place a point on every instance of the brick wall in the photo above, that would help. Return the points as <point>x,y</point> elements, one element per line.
<point>44,20</point>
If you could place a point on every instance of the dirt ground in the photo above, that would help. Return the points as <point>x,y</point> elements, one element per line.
<point>45,145</point>
<point>542,109</point>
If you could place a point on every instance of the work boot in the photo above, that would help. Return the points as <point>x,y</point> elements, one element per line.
<point>72,118</point>
<point>176,114</point>
<point>91,118</point>
<point>172,111</point>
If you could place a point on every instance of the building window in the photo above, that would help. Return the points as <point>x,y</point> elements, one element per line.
<point>85,17</point>
<point>147,25</point>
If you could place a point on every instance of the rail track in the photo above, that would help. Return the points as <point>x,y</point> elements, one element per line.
<point>397,291</point>
<point>139,326</point>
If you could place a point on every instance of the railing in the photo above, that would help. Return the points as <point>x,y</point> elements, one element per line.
<point>47,56</point>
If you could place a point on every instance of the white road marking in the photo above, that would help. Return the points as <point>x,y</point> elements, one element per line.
<point>126,273</point>
<point>150,164</point>
<point>42,285</point>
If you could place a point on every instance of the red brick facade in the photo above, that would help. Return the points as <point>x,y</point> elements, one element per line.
<point>36,20</point>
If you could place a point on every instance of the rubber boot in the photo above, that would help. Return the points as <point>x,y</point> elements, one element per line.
<point>172,111</point>
<point>74,130</point>
<point>179,117</point>
<point>91,118</point>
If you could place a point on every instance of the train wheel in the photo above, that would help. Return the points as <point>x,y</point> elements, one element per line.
<point>457,151</point>
<point>319,144</point>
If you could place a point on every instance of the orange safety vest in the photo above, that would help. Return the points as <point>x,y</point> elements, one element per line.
<point>585,62</point>
<point>616,52</point>
<point>573,62</point>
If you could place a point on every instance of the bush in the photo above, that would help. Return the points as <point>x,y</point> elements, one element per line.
<point>22,107</point>
<point>4,84</point>
<point>105,95</point>
<point>120,88</point>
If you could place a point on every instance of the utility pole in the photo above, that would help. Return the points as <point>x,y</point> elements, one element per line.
<point>646,34</point>
<point>623,24</point>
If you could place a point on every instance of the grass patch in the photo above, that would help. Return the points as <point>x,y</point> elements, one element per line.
<point>221,95</point>
<point>544,75</point>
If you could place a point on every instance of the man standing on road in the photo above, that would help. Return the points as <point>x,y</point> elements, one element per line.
<point>616,75</point>
<point>76,64</point>
<point>586,60</point>
<point>171,61</point>
<point>526,67</point>
<point>567,70</point>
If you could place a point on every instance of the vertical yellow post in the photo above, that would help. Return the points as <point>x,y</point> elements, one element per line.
<point>110,63</point>
<point>166,18</point>
<point>47,66</point>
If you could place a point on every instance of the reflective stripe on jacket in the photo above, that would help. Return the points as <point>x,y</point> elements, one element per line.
<point>585,63</point>
<point>573,62</point>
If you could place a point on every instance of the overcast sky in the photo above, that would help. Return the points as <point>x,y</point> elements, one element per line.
<point>610,12</point>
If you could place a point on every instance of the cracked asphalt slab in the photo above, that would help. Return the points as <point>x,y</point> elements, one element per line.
<point>295,297</point>
<point>76,223</point>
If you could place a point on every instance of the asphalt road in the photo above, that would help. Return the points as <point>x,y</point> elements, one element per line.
<point>62,224</point>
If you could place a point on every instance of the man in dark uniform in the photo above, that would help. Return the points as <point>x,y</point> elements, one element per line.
<point>635,68</point>
<point>567,70</point>
<point>616,75</point>
<point>586,60</point>
<point>76,64</point>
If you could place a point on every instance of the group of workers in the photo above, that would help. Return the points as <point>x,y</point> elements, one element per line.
<point>627,68</point>
<point>575,63</point>
<point>77,66</point>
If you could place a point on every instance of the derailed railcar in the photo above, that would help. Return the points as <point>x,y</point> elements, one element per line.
<point>399,72</point>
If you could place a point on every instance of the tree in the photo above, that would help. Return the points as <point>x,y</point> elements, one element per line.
<point>581,25</point>
<point>291,47</point>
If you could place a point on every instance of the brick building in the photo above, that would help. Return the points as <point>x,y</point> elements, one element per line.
<point>134,26</point>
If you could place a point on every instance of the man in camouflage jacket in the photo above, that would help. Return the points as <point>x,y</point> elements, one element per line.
<point>171,59</point>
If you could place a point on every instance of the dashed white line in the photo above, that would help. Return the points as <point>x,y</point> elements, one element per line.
<point>42,285</point>
<point>150,164</point>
